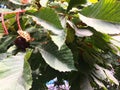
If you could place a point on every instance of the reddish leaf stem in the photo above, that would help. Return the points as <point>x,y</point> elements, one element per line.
<point>14,12</point>
<point>3,24</point>
<point>18,20</point>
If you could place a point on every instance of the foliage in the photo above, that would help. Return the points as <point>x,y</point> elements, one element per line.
<point>68,39</point>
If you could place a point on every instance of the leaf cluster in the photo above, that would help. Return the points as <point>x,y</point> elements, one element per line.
<point>72,40</point>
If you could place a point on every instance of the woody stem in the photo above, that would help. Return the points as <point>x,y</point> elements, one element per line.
<point>3,24</point>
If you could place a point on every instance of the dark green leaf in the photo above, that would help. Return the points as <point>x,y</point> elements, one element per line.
<point>73,3</point>
<point>49,19</point>
<point>5,42</point>
<point>99,83</point>
<point>107,10</point>
<point>61,60</point>
<point>49,16</point>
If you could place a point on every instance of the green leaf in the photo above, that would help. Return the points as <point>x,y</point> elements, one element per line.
<point>116,41</point>
<point>73,3</point>
<point>49,16</point>
<point>103,74</point>
<point>101,41</point>
<point>9,18</point>
<point>110,76</point>
<point>107,10</point>
<point>15,74</point>
<point>100,25</point>
<point>83,33</point>
<point>59,40</point>
<point>70,36</point>
<point>99,73</point>
<point>28,53</point>
<point>61,60</point>
<point>8,23</point>
<point>27,76</point>
<point>80,32</point>
<point>49,19</point>
<point>5,42</point>
<point>100,83</point>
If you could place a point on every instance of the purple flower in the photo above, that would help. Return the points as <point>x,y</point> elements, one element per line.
<point>51,85</point>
